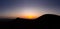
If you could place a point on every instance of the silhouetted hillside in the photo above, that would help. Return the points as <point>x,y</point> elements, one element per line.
<point>50,17</point>
<point>39,23</point>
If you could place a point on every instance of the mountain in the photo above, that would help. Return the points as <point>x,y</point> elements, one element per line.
<point>39,23</point>
<point>50,17</point>
<point>45,17</point>
<point>52,20</point>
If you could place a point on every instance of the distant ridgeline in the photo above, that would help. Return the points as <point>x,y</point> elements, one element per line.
<point>44,18</point>
<point>39,23</point>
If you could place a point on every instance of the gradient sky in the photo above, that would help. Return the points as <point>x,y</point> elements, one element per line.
<point>16,8</point>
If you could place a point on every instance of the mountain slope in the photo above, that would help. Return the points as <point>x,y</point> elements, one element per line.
<point>39,23</point>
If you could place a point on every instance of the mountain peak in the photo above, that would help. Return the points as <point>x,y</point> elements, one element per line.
<point>49,15</point>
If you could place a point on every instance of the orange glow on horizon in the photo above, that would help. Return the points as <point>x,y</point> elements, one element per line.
<point>29,16</point>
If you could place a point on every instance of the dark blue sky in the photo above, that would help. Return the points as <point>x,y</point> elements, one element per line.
<point>48,6</point>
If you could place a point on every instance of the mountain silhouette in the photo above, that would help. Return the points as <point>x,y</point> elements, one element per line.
<point>41,22</point>
<point>50,17</point>
<point>44,17</point>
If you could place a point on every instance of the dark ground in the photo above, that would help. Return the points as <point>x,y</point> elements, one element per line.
<point>46,21</point>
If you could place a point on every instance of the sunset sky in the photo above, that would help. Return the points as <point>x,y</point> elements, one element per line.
<point>28,8</point>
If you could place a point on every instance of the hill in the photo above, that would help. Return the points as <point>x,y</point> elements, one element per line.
<point>39,23</point>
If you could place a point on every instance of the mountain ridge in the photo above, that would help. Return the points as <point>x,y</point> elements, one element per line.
<point>39,23</point>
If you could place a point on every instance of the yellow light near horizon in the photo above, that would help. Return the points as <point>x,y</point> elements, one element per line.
<point>29,16</point>
<point>29,13</point>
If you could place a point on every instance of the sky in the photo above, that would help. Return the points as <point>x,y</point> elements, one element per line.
<point>24,8</point>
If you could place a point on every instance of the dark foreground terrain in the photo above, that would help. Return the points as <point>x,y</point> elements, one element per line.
<point>46,21</point>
